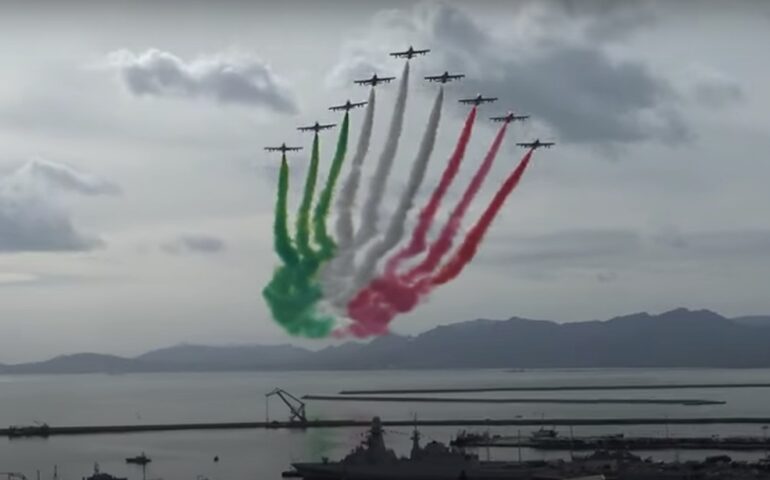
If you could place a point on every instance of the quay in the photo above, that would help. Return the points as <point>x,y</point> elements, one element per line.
<point>51,430</point>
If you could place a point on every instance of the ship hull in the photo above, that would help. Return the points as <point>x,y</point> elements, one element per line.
<point>411,471</point>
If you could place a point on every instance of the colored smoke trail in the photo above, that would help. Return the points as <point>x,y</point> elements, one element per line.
<point>334,273</point>
<point>470,245</point>
<point>282,239</point>
<point>443,243</point>
<point>303,216</point>
<point>417,243</point>
<point>289,296</point>
<point>395,229</point>
<point>321,213</point>
<point>374,307</point>
<point>347,197</point>
<point>370,213</point>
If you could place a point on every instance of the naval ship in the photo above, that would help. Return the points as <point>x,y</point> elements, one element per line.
<point>372,460</point>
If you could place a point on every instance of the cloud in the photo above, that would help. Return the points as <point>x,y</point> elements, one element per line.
<point>560,247</point>
<point>570,82</point>
<point>30,217</point>
<point>194,243</point>
<point>63,177</point>
<point>227,79</point>
<point>712,88</point>
<point>609,251</point>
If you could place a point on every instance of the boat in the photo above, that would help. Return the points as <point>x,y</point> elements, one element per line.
<point>139,459</point>
<point>544,434</point>
<point>372,460</point>
<point>99,475</point>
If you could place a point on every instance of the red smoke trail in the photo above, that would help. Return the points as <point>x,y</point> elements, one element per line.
<point>417,243</point>
<point>444,242</point>
<point>467,250</point>
<point>374,307</point>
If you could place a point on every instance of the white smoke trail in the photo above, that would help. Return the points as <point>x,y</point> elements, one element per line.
<point>396,227</point>
<point>336,277</point>
<point>370,214</point>
<point>342,263</point>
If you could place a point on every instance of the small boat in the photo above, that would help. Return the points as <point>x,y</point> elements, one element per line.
<point>139,459</point>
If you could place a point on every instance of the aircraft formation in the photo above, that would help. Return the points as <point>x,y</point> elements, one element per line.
<point>361,274</point>
<point>443,78</point>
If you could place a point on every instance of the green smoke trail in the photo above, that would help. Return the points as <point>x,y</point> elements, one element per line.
<point>303,216</point>
<point>283,243</point>
<point>321,213</point>
<point>290,295</point>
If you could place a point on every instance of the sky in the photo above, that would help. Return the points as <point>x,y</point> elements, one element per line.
<point>136,200</point>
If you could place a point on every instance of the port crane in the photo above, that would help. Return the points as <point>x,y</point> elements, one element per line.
<point>296,406</point>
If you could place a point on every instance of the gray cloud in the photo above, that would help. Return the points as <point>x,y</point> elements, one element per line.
<point>226,79</point>
<point>570,82</point>
<point>714,90</point>
<point>614,249</point>
<point>194,243</point>
<point>30,217</point>
<point>746,243</point>
<point>64,177</point>
<point>566,246</point>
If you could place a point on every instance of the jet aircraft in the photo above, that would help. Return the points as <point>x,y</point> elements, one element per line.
<point>509,117</point>
<point>283,148</point>
<point>347,106</point>
<point>536,144</point>
<point>444,77</point>
<point>375,80</point>
<point>317,127</point>
<point>408,54</point>
<point>478,100</point>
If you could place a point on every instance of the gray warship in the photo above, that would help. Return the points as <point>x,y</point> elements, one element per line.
<point>372,460</point>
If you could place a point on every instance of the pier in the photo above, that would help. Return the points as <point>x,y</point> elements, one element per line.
<point>578,401</point>
<point>558,388</point>
<point>51,430</point>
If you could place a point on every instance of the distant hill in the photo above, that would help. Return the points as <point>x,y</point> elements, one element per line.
<point>248,357</point>
<point>79,363</point>
<point>754,321</point>
<point>679,338</point>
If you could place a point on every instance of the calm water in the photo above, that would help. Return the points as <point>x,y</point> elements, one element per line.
<point>213,397</point>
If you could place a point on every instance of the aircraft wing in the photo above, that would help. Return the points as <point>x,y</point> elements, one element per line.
<point>434,78</point>
<point>357,104</point>
<point>467,100</point>
<point>293,149</point>
<point>456,76</point>
<point>364,82</point>
<point>386,79</point>
<point>273,149</point>
<point>337,108</point>
<point>420,52</point>
<point>487,99</point>
<point>305,129</point>
<point>547,144</point>
<point>327,126</point>
<point>526,144</point>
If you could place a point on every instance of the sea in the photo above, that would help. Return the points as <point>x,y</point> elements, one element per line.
<point>64,400</point>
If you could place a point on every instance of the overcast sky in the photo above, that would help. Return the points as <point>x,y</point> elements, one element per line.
<point>136,201</point>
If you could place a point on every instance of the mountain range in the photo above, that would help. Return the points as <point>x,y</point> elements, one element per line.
<point>678,338</point>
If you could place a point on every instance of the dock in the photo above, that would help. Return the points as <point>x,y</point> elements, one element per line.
<point>619,443</point>
<point>577,401</point>
<point>558,388</point>
<point>52,430</point>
